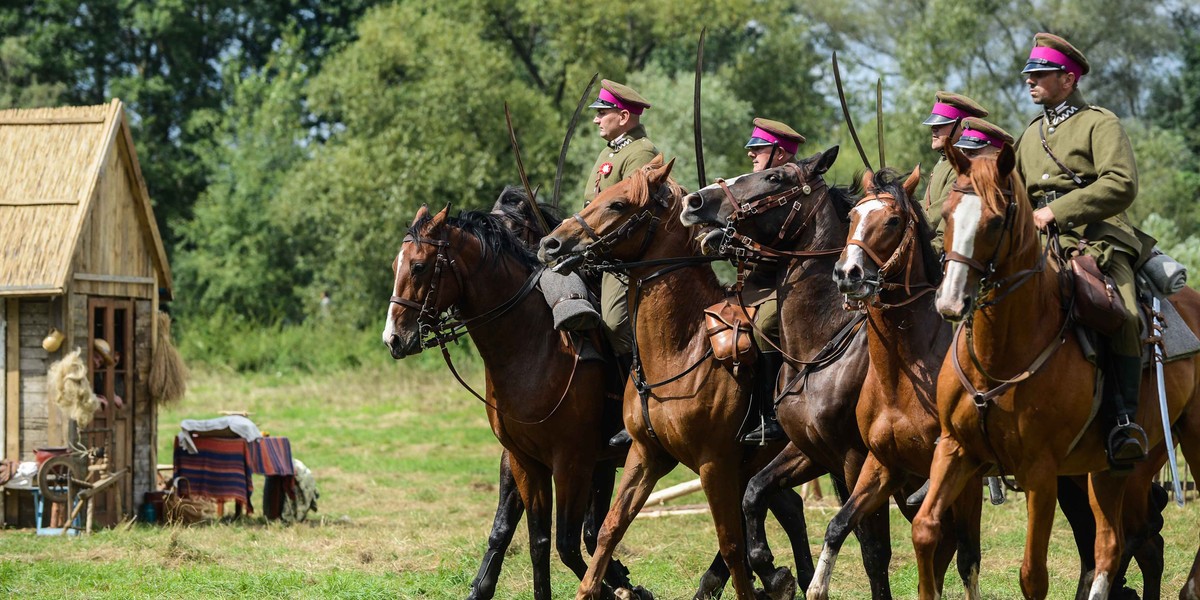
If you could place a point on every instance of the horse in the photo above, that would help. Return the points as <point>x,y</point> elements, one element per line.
<point>680,406</point>
<point>552,426</point>
<point>804,220</point>
<point>1014,351</point>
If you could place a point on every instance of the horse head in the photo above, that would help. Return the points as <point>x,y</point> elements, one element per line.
<point>620,222</point>
<point>988,220</point>
<point>516,213</point>
<point>884,226</point>
<point>427,282</point>
<point>759,206</point>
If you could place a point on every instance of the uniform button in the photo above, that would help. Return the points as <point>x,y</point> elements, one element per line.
<point>1051,130</point>
<point>1045,176</point>
<point>1070,224</point>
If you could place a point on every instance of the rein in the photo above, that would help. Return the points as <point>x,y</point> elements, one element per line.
<point>446,329</point>
<point>906,248</point>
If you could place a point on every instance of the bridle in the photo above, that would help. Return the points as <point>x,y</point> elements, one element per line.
<point>601,246</point>
<point>905,251</point>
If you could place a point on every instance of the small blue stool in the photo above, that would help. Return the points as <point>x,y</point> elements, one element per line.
<point>39,503</point>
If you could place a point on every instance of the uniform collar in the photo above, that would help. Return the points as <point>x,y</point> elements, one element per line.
<point>627,138</point>
<point>1065,110</point>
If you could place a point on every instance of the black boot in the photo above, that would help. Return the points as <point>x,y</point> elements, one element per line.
<point>624,364</point>
<point>1127,441</point>
<point>765,375</point>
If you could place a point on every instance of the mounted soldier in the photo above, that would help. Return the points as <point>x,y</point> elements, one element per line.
<point>1079,170</point>
<point>945,124</point>
<point>771,144</point>
<point>981,138</point>
<point>618,120</point>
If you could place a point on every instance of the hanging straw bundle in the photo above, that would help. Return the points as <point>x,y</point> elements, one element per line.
<point>70,390</point>
<point>168,374</point>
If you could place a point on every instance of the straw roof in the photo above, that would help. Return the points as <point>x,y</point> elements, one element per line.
<point>51,160</point>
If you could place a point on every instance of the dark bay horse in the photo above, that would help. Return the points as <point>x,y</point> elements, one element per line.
<point>693,407</point>
<point>789,214</point>
<point>1029,408</point>
<point>550,425</point>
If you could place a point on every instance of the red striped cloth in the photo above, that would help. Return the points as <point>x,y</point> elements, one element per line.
<point>218,470</point>
<point>270,456</point>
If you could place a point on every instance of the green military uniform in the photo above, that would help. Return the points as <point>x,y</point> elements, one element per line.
<point>948,108</point>
<point>618,160</point>
<point>1090,141</point>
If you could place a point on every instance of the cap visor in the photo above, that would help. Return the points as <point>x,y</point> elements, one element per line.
<point>937,120</point>
<point>602,104</point>
<point>970,144</point>
<point>757,142</point>
<point>1034,67</point>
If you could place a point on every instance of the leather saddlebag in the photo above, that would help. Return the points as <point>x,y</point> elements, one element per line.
<point>730,333</point>
<point>1097,303</point>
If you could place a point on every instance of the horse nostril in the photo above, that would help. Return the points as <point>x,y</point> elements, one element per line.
<point>693,201</point>
<point>550,244</point>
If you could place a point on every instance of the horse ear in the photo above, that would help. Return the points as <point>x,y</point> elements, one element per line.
<point>958,160</point>
<point>440,218</point>
<point>914,178</point>
<point>1007,161</point>
<point>659,172</point>
<point>422,213</point>
<point>868,179</point>
<point>825,160</point>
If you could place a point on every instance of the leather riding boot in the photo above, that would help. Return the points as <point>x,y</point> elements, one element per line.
<point>1127,442</point>
<point>765,375</point>
<point>622,439</point>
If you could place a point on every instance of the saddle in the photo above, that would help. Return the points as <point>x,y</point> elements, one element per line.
<point>731,334</point>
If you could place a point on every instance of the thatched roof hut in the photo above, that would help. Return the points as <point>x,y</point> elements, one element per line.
<point>80,253</point>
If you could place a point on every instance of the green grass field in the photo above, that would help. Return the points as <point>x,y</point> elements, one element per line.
<point>406,467</point>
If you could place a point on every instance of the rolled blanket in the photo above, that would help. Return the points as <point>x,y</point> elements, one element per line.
<point>568,298</point>
<point>1165,273</point>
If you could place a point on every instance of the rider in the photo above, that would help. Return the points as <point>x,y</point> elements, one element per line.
<point>618,119</point>
<point>771,144</point>
<point>1079,171</point>
<point>981,138</point>
<point>945,124</point>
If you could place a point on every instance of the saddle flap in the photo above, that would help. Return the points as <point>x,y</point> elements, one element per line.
<point>729,329</point>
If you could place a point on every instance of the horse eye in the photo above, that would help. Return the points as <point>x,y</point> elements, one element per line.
<point>618,205</point>
<point>774,178</point>
<point>418,268</point>
<point>893,221</point>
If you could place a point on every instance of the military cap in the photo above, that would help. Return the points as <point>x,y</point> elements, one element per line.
<point>1052,53</point>
<point>978,133</point>
<point>949,108</point>
<point>616,95</point>
<point>767,133</point>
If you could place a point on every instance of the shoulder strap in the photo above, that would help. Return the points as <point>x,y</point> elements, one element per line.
<point>1045,146</point>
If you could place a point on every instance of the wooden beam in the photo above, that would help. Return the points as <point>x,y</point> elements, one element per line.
<point>12,397</point>
<point>115,278</point>
<point>51,120</point>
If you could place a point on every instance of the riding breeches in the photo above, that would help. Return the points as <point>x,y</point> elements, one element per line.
<point>1127,340</point>
<point>614,310</point>
<point>766,322</point>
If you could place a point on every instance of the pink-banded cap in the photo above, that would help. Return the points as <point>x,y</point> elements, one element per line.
<point>1052,53</point>
<point>949,107</point>
<point>978,133</point>
<point>623,97</point>
<point>767,133</point>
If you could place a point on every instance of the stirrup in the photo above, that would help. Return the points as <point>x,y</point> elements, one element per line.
<point>1127,443</point>
<point>769,431</point>
<point>621,440</point>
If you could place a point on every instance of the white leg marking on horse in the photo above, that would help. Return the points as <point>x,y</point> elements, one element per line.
<point>388,329</point>
<point>1189,591</point>
<point>966,223</point>
<point>972,584</point>
<point>855,254</point>
<point>819,590</point>
<point>1100,587</point>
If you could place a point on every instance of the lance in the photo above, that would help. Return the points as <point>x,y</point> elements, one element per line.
<point>696,111</point>
<point>837,79</point>
<point>556,194</point>
<point>879,119</point>
<point>512,137</point>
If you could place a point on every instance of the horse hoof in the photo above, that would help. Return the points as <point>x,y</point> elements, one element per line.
<point>711,588</point>
<point>637,593</point>
<point>780,585</point>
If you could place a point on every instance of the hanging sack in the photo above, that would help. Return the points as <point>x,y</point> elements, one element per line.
<point>729,329</point>
<point>1097,303</point>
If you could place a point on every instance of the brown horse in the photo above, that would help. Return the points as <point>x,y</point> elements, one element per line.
<point>1016,390</point>
<point>550,425</point>
<point>790,215</point>
<point>680,406</point>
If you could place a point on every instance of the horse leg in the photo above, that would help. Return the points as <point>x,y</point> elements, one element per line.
<point>967,511</point>
<point>643,468</point>
<point>722,486</point>
<point>1075,506</point>
<point>534,482</point>
<point>788,508</point>
<point>873,533</point>
<point>1141,525</point>
<point>508,515</point>
<point>712,582</point>
<point>787,470</point>
<point>603,480</point>
<point>875,484</point>
<point>951,471</point>
<point>1041,495</point>
<point>1107,493</point>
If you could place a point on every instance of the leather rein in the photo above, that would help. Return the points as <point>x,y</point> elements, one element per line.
<point>438,328</point>
<point>905,251</point>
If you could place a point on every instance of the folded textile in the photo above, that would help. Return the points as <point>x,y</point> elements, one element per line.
<point>270,456</point>
<point>217,470</point>
<point>236,424</point>
<point>1165,273</point>
<point>567,296</point>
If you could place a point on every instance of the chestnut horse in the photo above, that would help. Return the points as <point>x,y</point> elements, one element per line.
<point>802,221</point>
<point>1016,391</point>
<point>690,408</point>
<point>550,425</point>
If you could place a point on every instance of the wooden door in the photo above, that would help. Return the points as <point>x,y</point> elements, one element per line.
<point>112,319</point>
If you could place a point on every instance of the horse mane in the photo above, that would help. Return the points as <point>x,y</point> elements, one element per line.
<point>513,202</point>
<point>639,187</point>
<point>844,197</point>
<point>985,179</point>
<point>891,181</point>
<point>497,240</point>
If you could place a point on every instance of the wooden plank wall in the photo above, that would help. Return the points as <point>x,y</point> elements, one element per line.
<point>112,241</point>
<point>12,381</point>
<point>35,323</point>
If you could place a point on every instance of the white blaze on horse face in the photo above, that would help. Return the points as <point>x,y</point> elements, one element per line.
<point>855,254</point>
<point>388,328</point>
<point>966,225</point>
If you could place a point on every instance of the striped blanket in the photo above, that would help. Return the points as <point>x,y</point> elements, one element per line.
<point>270,456</point>
<point>218,470</point>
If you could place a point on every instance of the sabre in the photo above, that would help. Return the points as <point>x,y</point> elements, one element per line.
<point>562,154</point>
<point>512,137</point>
<point>837,79</point>
<point>1162,404</point>
<point>696,111</point>
<point>879,119</point>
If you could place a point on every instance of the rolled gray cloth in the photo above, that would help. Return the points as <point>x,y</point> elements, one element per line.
<point>568,298</point>
<point>1165,273</point>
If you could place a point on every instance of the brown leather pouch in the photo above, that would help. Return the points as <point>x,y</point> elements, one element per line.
<point>1097,303</point>
<point>730,333</point>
